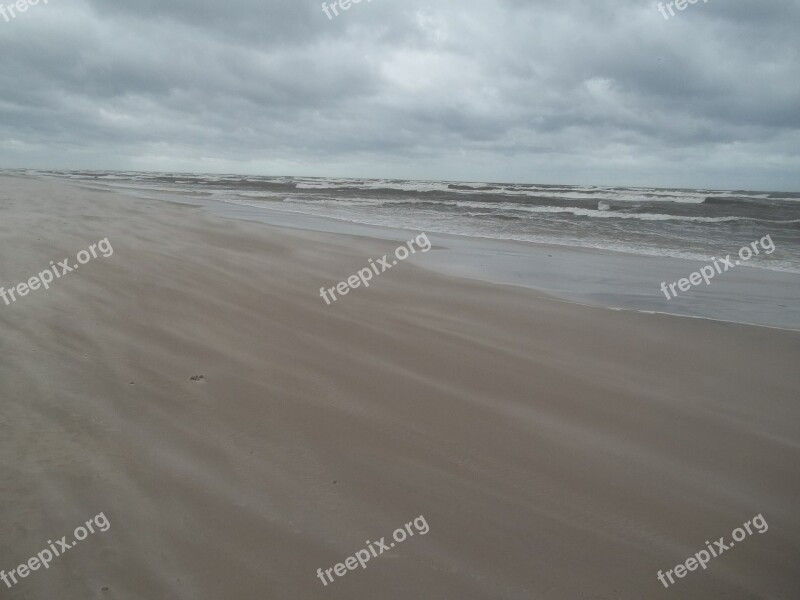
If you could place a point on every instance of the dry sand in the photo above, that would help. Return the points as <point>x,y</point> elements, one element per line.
<point>556,451</point>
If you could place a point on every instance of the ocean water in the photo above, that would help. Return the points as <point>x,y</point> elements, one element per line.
<point>683,223</point>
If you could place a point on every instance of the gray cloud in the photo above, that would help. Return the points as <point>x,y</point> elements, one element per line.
<point>575,91</point>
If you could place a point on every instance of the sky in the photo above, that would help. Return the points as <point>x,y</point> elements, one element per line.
<point>587,92</point>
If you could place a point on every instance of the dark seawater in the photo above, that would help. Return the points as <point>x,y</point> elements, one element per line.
<point>686,223</point>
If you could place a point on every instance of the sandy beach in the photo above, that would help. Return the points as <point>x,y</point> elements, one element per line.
<point>555,450</point>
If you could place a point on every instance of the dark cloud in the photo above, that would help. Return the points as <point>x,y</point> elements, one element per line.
<point>570,91</point>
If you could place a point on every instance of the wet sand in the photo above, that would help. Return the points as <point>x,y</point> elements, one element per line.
<point>555,450</point>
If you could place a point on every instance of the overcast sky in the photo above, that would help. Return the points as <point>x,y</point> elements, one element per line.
<point>543,91</point>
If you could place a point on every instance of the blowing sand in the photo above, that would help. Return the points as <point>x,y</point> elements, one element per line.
<point>555,450</point>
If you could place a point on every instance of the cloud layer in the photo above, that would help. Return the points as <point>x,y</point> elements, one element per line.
<point>574,91</point>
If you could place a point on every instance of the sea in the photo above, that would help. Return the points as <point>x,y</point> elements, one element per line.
<point>697,224</point>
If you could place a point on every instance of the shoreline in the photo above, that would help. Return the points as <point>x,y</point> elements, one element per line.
<point>752,296</point>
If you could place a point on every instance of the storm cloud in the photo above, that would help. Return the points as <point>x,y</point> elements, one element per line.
<point>574,91</point>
